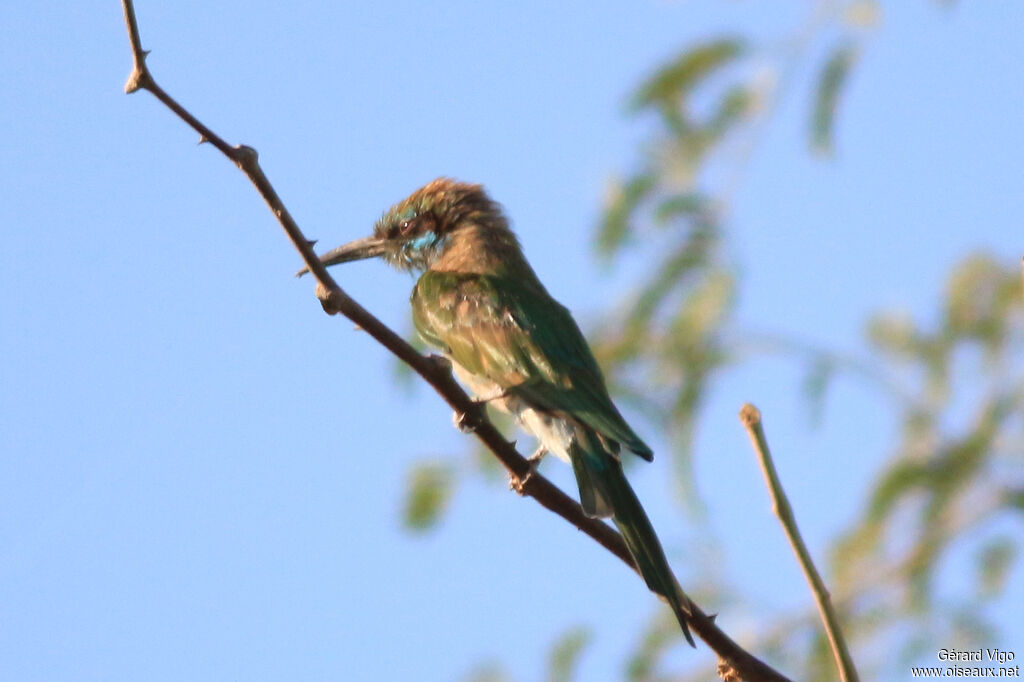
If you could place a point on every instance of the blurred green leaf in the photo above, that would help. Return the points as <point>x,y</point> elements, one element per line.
<point>970,627</point>
<point>687,204</point>
<point>815,386</point>
<point>733,107</point>
<point>893,333</point>
<point>671,274</point>
<point>660,635</point>
<point>981,296</point>
<point>994,563</point>
<point>918,645</point>
<point>821,662</point>
<point>830,84</point>
<point>429,491</point>
<point>675,80</point>
<point>565,654</point>
<point>704,310</point>
<point>488,671</point>
<point>622,201</point>
<point>1014,498</point>
<point>919,568</point>
<point>902,477</point>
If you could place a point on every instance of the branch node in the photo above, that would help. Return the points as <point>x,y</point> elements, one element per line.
<point>245,156</point>
<point>327,299</point>
<point>138,79</point>
<point>441,364</point>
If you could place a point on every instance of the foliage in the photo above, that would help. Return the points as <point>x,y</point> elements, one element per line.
<point>565,654</point>
<point>664,341</point>
<point>948,479</point>
<point>671,332</point>
<point>830,84</point>
<point>956,384</point>
<point>429,491</point>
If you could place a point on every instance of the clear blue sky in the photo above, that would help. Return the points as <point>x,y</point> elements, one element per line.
<point>202,473</point>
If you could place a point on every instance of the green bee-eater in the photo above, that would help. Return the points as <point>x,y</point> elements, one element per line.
<point>513,345</point>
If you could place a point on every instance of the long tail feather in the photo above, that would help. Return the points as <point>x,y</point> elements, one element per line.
<point>602,473</point>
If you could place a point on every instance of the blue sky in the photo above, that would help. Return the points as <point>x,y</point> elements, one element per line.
<point>203,473</point>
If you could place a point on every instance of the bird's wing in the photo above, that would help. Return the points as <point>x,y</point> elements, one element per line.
<point>514,334</point>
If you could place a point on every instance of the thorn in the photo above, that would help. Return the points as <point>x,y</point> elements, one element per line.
<point>469,421</point>
<point>145,53</point>
<point>464,422</point>
<point>356,328</point>
<point>311,242</point>
<point>203,139</point>
<point>712,617</point>
<point>137,79</point>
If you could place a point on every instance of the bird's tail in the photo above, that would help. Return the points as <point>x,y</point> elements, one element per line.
<point>605,491</point>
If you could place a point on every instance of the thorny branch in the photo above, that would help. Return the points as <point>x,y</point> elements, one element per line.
<point>733,659</point>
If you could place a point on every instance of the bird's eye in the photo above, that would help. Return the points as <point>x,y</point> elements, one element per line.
<point>405,227</point>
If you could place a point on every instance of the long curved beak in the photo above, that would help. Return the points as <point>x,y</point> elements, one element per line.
<point>359,249</point>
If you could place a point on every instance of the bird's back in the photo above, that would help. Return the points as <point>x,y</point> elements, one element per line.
<point>509,331</point>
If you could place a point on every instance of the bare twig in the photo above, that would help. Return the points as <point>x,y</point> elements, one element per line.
<point>751,418</point>
<point>334,300</point>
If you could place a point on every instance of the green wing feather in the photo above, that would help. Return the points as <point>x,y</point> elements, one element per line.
<point>513,333</point>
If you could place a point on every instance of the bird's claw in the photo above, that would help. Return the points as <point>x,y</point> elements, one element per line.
<point>518,483</point>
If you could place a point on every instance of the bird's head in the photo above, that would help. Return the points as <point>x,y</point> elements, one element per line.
<point>417,231</point>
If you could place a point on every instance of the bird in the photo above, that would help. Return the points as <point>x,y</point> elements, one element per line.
<point>480,303</point>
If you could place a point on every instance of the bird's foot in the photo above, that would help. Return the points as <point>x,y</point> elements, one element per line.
<point>518,483</point>
<point>468,422</point>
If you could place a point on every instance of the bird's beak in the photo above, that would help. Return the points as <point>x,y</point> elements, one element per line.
<point>359,249</point>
